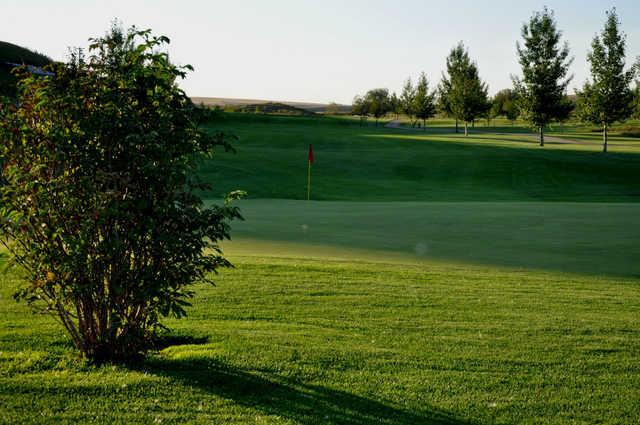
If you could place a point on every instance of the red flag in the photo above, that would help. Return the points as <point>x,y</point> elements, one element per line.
<point>310,154</point>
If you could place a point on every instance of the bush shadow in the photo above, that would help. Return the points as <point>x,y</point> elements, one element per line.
<point>276,395</point>
<point>164,341</point>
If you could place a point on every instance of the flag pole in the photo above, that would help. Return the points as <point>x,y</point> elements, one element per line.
<point>309,181</point>
<point>309,162</point>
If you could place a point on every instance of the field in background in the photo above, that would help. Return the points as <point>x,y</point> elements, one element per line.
<point>234,103</point>
<point>435,279</point>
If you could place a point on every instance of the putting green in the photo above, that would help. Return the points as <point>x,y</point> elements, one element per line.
<point>589,238</point>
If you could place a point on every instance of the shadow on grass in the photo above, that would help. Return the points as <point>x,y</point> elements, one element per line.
<point>275,395</point>
<point>165,341</point>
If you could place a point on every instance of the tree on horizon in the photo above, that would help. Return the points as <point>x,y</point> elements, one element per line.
<point>545,64</point>
<point>377,101</point>
<point>465,94</point>
<point>608,97</point>
<point>424,100</point>
<point>407,100</point>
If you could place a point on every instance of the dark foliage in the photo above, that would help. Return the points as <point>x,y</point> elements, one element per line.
<point>98,205</point>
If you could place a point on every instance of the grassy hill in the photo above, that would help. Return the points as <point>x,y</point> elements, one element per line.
<point>379,164</point>
<point>10,52</point>
<point>13,53</point>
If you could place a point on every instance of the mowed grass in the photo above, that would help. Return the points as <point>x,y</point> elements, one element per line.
<point>583,238</point>
<point>326,342</point>
<point>435,279</point>
<point>378,164</point>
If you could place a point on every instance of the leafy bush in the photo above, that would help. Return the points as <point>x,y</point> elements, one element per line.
<point>98,203</point>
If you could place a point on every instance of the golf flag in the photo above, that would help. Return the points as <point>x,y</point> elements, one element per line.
<point>310,161</point>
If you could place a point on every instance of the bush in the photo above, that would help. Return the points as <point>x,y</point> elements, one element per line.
<point>98,203</point>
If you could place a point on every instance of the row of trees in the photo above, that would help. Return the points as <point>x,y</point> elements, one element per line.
<point>461,95</point>
<point>539,95</point>
<point>418,102</point>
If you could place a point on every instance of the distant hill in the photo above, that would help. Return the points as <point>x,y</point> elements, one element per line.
<point>273,108</point>
<point>13,54</point>
<point>319,108</point>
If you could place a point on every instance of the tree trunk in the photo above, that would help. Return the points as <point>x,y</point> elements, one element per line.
<point>605,138</point>
<point>541,136</point>
<point>466,128</point>
<point>473,123</point>
<point>424,124</point>
<point>456,125</point>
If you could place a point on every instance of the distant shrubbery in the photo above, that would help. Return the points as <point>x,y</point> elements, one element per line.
<point>272,108</point>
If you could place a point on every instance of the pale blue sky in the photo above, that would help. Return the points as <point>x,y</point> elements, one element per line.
<point>316,50</point>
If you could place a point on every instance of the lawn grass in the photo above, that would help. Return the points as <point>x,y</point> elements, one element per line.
<point>287,341</point>
<point>587,238</point>
<point>378,164</point>
<point>434,279</point>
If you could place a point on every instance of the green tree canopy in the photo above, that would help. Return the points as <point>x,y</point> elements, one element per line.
<point>360,108</point>
<point>636,102</point>
<point>407,99</point>
<point>98,205</point>
<point>545,64</point>
<point>608,97</point>
<point>378,102</point>
<point>394,104</point>
<point>504,104</point>
<point>424,100</point>
<point>465,94</point>
<point>443,104</point>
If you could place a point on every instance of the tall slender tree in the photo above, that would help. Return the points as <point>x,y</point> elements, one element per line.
<point>545,67</point>
<point>424,100</point>
<point>608,98</point>
<point>407,100</point>
<point>394,104</point>
<point>466,94</point>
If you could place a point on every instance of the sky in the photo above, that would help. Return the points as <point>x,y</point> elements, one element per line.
<point>317,51</point>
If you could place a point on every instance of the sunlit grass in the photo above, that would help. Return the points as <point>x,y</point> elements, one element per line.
<point>321,342</point>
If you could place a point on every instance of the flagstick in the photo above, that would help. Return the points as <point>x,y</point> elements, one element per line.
<point>309,181</point>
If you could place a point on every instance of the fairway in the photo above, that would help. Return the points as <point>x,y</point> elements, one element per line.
<point>433,279</point>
